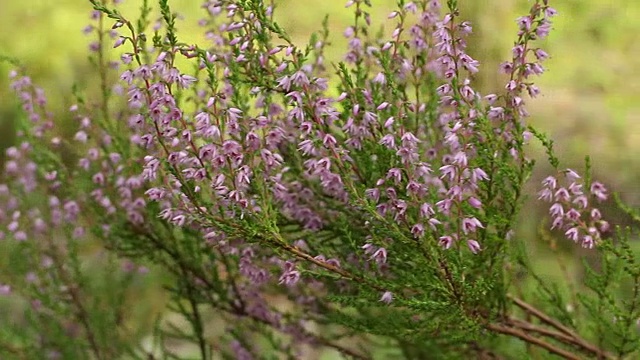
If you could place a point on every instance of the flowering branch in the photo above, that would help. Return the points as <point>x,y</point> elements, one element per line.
<point>379,203</point>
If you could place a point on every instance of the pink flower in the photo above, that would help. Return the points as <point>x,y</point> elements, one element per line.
<point>6,290</point>
<point>387,297</point>
<point>470,224</point>
<point>572,234</point>
<point>556,210</point>
<point>445,241</point>
<point>599,191</point>
<point>380,256</point>
<point>474,246</point>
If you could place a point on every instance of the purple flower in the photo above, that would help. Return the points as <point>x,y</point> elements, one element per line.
<point>572,234</point>
<point>380,256</point>
<point>474,246</point>
<point>445,241</point>
<point>469,225</point>
<point>556,210</point>
<point>5,289</point>
<point>387,297</point>
<point>599,191</point>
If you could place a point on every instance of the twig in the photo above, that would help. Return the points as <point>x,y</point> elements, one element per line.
<point>483,353</point>
<point>501,329</point>
<point>576,341</point>
<point>565,335</point>
<point>542,316</point>
<point>342,350</point>
<point>542,331</point>
<point>81,313</point>
<point>318,339</point>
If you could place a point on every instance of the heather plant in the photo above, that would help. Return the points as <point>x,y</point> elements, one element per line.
<point>294,207</point>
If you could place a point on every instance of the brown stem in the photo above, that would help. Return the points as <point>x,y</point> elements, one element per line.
<point>279,241</point>
<point>517,333</point>
<point>542,316</point>
<point>81,313</point>
<point>571,340</point>
<point>484,353</point>
<point>317,338</point>
<point>524,325</point>
<point>565,334</point>
<point>342,350</point>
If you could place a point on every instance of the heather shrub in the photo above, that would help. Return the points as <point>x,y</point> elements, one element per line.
<point>293,208</point>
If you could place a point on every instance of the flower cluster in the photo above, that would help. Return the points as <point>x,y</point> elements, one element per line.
<point>572,207</point>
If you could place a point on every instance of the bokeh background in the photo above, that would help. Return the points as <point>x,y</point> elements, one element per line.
<point>591,89</point>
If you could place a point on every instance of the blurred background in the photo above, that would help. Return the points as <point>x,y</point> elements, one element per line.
<point>590,101</point>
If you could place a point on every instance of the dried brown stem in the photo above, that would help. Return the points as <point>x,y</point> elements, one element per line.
<point>317,338</point>
<point>542,316</point>
<point>522,335</point>
<point>564,334</point>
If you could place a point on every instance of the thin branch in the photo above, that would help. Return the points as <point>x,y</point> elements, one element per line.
<point>483,353</point>
<point>542,316</point>
<point>318,339</point>
<point>81,313</point>
<point>576,341</point>
<point>542,331</point>
<point>197,320</point>
<point>341,349</point>
<point>565,335</point>
<point>505,330</point>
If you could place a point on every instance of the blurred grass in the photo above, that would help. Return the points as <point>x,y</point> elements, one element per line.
<point>590,90</point>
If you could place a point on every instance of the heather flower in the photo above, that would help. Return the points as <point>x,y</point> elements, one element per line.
<point>572,210</point>
<point>470,224</point>
<point>599,191</point>
<point>387,297</point>
<point>572,234</point>
<point>474,246</point>
<point>290,276</point>
<point>5,289</point>
<point>380,256</point>
<point>446,241</point>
